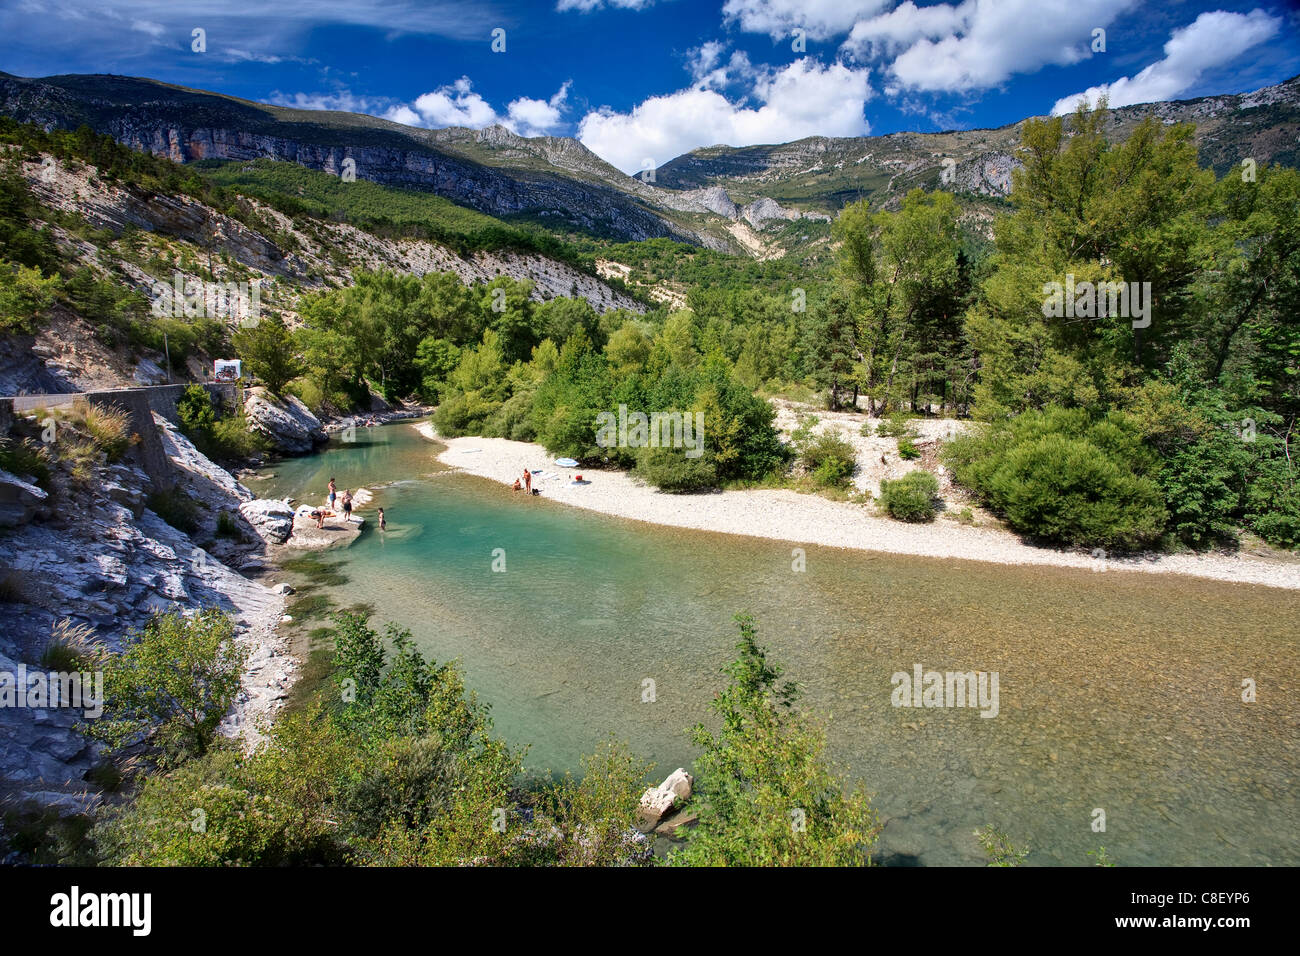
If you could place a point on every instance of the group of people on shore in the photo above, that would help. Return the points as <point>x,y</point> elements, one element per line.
<point>344,503</point>
<point>527,484</point>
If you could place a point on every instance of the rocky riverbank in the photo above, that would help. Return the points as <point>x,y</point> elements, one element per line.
<point>93,549</point>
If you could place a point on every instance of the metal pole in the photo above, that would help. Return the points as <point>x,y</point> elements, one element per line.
<point>168,353</point>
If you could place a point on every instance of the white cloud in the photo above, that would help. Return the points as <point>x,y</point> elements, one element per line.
<point>705,58</point>
<point>709,72</point>
<point>343,100</point>
<point>456,104</point>
<point>586,6</point>
<point>1211,40</point>
<point>233,55</point>
<point>819,19</point>
<point>803,99</point>
<point>529,117</point>
<point>79,36</point>
<point>404,115</point>
<point>991,40</point>
<point>898,29</point>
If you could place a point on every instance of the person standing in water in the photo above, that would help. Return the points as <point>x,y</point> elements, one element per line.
<point>383,522</point>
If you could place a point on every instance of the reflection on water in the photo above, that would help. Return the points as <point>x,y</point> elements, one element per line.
<point>1117,691</point>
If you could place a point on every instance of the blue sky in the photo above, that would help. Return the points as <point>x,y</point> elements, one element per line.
<point>642,81</point>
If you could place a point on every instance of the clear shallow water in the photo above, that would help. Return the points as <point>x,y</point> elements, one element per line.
<point>1117,691</point>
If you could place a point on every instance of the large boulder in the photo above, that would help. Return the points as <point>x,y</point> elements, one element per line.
<point>655,805</point>
<point>679,783</point>
<point>658,802</point>
<point>286,423</point>
<point>271,518</point>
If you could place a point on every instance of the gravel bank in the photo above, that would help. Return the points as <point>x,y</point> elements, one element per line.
<point>786,515</point>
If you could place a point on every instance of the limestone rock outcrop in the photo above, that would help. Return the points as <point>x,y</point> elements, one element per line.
<point>271,518</point>
<point>286,423</point>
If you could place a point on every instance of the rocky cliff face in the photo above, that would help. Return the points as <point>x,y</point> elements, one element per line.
<point>90,551</point>
<point>825,172</point>
<point>502,174</point>
<point>492,170</point>
<point>324,253</point>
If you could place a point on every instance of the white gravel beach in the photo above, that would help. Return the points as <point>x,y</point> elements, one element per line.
<point>787,515</point>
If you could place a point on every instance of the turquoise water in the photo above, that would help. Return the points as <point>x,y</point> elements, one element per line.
<point>1117,691</point>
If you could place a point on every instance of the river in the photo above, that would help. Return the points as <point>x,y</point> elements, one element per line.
<point>1120,692</point>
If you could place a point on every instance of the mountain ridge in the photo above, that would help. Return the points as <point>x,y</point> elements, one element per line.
<point>712,196</point>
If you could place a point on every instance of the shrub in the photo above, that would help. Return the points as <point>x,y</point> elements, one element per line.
<point>895,426</point>
<point>907,449</point>
<point>767,756</point>
<point>228,438</point>
<point>997,844</point>
<point>72,647</point>
<point>233,439</point>
<point>25,295</point>
<point>194,409</point>
<point>227,527</point>
<point>176,508</point>
<point>310,393</point>
<point>108,427</point>
<point>1060,476</point>
<point>1067,490</point>
<point>26,460</point>
<point>830,459</point>
<point>1273,507</point>
<point>570,431</point>
<point>1201,483</point>
<point>670,470</point>
<point>464,414</point>
<point>173,683</point>
<point>910,498</point>
<point>514,419</point>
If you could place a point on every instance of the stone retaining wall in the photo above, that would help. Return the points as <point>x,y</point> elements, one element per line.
<point>140,404</point>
